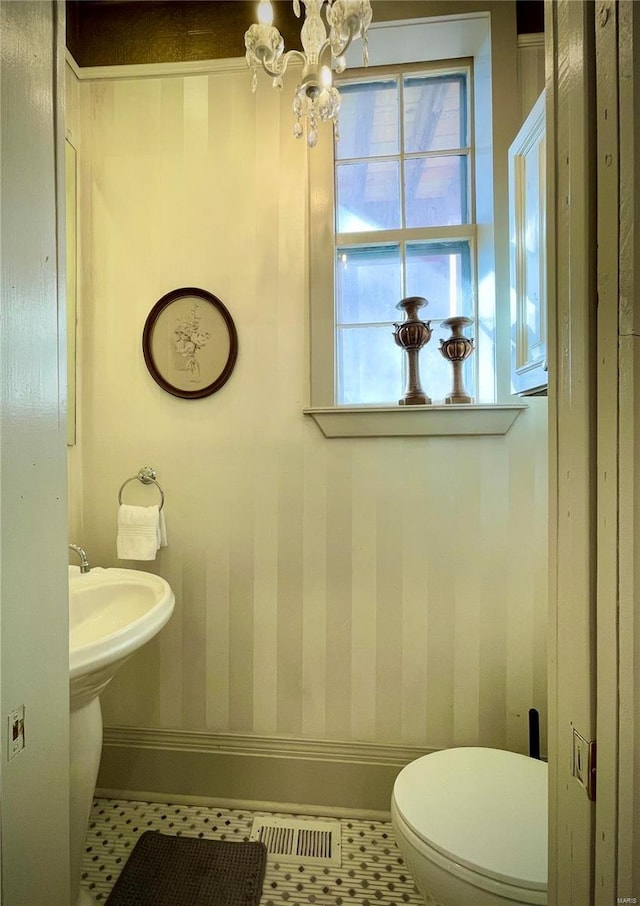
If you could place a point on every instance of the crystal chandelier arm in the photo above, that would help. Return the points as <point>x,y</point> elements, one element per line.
<point>347,20</point>
<point>278,67</point>
<point>341,42</point>
<point>265,47</point>
<point>263,42</point>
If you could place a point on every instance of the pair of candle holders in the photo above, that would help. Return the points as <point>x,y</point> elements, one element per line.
<point>412,334</point>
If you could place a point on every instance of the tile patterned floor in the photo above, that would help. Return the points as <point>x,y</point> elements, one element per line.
<point>372,871</point>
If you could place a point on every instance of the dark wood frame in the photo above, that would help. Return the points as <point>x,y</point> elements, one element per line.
<point>147,341</point>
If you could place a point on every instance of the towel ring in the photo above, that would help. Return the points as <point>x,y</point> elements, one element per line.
<point>146,475</point>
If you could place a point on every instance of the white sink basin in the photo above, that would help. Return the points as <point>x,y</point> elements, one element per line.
<point>112,613</point>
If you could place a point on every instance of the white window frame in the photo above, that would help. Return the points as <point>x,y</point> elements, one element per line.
<point>403,236</point>
<point>423,41</point>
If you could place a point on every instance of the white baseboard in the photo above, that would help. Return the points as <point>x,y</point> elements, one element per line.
<point>242,771</point>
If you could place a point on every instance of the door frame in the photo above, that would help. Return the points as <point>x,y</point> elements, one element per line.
<point>594,399</point>
<point>618,677</point>
<point>571,246</point>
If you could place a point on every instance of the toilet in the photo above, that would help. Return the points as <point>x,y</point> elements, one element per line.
<point>471,825</point>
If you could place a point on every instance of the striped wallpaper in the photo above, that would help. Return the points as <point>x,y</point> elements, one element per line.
<point>387,590</point>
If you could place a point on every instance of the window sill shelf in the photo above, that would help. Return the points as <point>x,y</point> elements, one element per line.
<point>415,421</point>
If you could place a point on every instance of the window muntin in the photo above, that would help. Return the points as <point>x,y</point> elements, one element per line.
<point>404,225</point>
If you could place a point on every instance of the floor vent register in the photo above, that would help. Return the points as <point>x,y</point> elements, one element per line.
<point>298,841</point>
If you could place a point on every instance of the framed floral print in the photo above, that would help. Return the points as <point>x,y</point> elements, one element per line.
<point>190,343</point>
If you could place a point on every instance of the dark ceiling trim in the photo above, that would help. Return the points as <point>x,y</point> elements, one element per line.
<point>120,32</point>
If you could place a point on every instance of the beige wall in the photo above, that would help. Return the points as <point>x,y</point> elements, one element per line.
<point>381,590</point>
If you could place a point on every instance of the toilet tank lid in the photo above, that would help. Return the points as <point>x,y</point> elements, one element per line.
<point>483,808</point>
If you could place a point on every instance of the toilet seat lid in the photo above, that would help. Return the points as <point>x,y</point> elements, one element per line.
<point>485,809</point>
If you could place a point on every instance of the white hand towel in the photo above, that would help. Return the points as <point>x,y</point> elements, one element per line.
<point>162,525</point>
<point>141,532</point>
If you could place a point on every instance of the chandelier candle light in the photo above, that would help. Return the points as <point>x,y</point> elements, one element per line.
<point>315,98</point>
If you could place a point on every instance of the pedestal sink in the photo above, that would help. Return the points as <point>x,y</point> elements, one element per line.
<point>112,613</point>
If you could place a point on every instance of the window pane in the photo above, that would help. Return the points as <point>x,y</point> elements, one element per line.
<point>434,113</point>
<point>368,120</point>
<point>441,272</point>
<point>372,368</point>
<point>368,284</point>
<point>369,365</point>
<point>435,191</point>
<point>368,196</point>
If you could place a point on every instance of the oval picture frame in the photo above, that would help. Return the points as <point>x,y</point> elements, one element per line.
<point>190,343</point>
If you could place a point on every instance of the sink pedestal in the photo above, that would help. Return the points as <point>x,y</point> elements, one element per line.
<point>85,742</point>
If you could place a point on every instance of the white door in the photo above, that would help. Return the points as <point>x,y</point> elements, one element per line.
<point>594,669</point>
<point>34,666</point>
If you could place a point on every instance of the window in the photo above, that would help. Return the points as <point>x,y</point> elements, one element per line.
<point>404,205</point>
<point>382,228</point>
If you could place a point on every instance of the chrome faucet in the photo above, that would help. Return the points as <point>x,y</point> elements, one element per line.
<point>84,562</point>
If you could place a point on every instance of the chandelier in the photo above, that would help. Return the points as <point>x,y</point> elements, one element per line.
<point>316,98</point>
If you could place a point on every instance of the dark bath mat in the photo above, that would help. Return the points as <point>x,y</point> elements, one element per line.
<point>190,871</point>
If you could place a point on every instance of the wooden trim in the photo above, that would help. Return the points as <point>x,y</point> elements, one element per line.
<point>160,70</point>
<point>572,436</point>
<point>551,91</point>
<point>71,63</point>
<point>414,421</point>
<point>628,629</point>
<point>536,39</point>
<point>265,746</point>
<point>607,584</point>
<point>240,768</point>
<point>531,71</point>
<point>627,829</point>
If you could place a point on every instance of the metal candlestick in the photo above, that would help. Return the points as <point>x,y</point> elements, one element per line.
<point>456,349</point>
<point>412,334</point>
